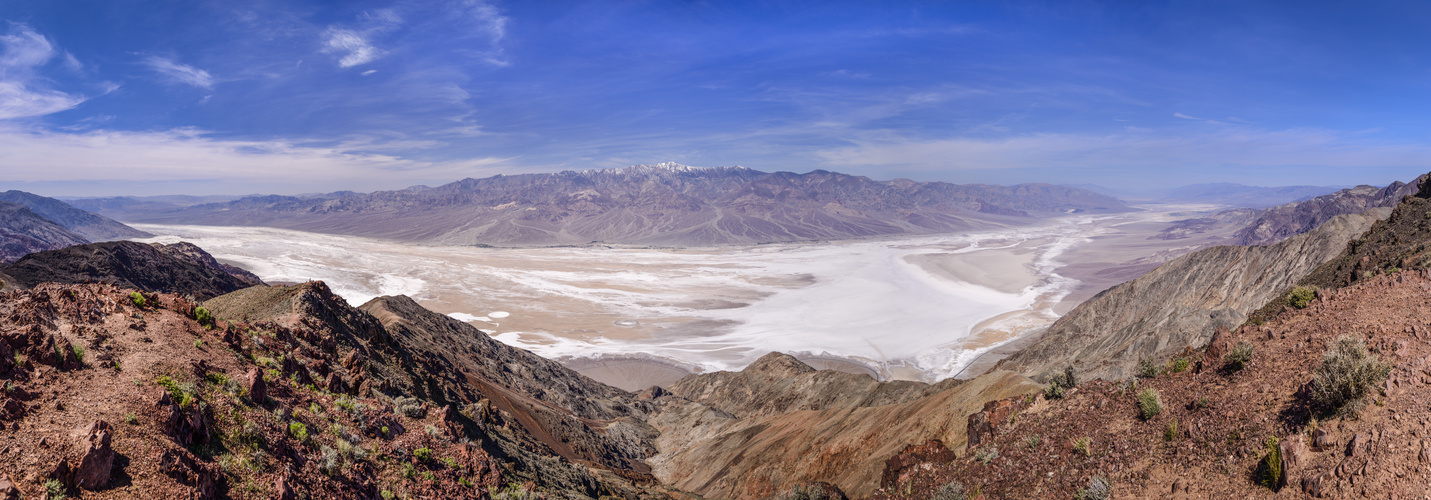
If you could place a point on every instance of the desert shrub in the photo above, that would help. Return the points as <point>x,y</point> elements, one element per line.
<point>1033,441</point>
<point>1150,403</point>
<point>423,454</point>
<point>330,461</point>
<point>130,419</point>
<point>514,491</point>
<point>1171,432</point>
<point>298,431</point>
<point>1181,365</point>
<point>137,298</point>
<point>184,394</point>
<point>1348,374</point>
<point>411,407</point>
<point>408,471</point>
<point>1147,369</point>
<point>986,455</point>
<point>387,495</point>
<point>951,490</point>
<point>203,317</point>
<point>55,490</point>
<point>1269,470</point>
<point>450,462</point>
<point>1083,445</point>
<point>1300,297</point>
<point>1239,357</point>
<point>1053,391</point>
<point>1098,489</point>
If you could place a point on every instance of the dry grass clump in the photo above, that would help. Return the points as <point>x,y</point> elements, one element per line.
<point>1348,375</point>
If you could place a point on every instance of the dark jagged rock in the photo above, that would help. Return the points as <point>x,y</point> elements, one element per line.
<point>23,232</point>
<point>96,458</point>
<point>664,204</point>
<point>180,268</point>
<point>91,226</point>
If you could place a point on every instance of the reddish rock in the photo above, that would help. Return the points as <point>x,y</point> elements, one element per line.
<point>11,410</point>
<point>255,386</point>
<point>1425,455</point>
<point>96,457</point>
<point>1322,440</point>
<point>1316,485</point>
<point>1360,444</point>
<point>932,451</point>
<point>184,468</point>
<point>8,490</point>
<point>335,384</point>
<point>1294,455</point>
<point>281,490</point>
<point>982,424</point>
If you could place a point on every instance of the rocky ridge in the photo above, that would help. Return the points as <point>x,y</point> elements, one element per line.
<point>181,268</point>
<point>93,227</point>
<point>663,204</point>
<point>23,232</point>
<point>1283,221</point>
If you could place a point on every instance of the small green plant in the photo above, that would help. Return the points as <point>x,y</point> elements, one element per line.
<point>410,407</point>
<point>21,359</point>
<point>385,430</point>
<point>1239,357</point>
<point>130,419</point>
<point>137,298</point>
<point>198,343</point>
<point>423,454</point>
<point>1033,441</point>
<point>1202,402</point>
<point>429,476</point>
<point>1270,469</point>
<point>1171,432</point>
<point>203,316</point>
<point>1181,365</point>
<point>1300,297</point>
<point>1347,375</point>
<point>408,471</point>
<point>79,353</point>
<point>298,431</point>
<point>55,490</point>
<point>1150,403</point>
<point>1098,489</point>
<point>1393,270</point>
<point>1053,391</point>
<point>181,393</point>
<point>1083,445</point>
<point>450,462</point>
<point>463,481</point>
<point>387,495</point>
<point>1147,369</point>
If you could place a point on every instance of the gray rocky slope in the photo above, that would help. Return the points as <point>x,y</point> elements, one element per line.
<point>1181,304</point>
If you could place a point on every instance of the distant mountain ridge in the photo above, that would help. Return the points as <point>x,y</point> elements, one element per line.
<point>22,231</point>
<point>664,204</point>
<point>91,226</point>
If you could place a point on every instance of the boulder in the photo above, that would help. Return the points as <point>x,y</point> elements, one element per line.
<point>255,386</point>
<point>96,457</point>
<point>983,423</point>
<point>187,470</point>
<point>1294,455</point>
<point>910,458</point>
<point>8,490</point>
<point>1360,443</point>
<point>1322,440</point>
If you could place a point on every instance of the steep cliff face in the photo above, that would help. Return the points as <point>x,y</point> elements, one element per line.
<point>23,232</point>
<point>1181,304</point>
<point>91,226</point>
<point>665,204</point>
<point>181,268</point>
<point>1283,221</point>
<point>780,424</point>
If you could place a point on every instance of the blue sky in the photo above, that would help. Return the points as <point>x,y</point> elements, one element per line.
<point>129,97</point>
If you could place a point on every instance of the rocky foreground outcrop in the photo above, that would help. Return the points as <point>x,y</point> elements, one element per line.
<point>181,268</point>
<point>789,425</point>
<point>1215,426</point>
<point>1181,304</point>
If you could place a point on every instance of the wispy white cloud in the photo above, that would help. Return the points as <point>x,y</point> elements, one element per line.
<point>1141,148</point>
<point>486,21</point>
<point>22,92</point>
<point>177,73</point>
<point>267,166</point>
<point>351,46</point>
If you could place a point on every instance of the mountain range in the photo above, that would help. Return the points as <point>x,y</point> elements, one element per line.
<point>665,204</point>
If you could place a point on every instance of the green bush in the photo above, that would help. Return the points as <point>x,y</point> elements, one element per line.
<point>137,298</point>
<point>203,317</point>
<point>55,490</point>
<point>1171,432</point>
<point>1147,369</point>
<point>298,431</point>
<point>1181,365</point>
<point>1301,296</point>
<point>1239,357</point>
<point>1082,445</point>
<point>423,454</point>
<point>1053,391</point>
<point>1270,469</point>
<point>1150,403</point>
<point>79,353</point>
<point>1348,374</point>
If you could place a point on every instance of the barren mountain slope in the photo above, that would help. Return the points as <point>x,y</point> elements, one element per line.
<point>91,226</point>
<point>180,268</point>
<point>664,204</point>
<point>1210,437</point>
<point>22,232</point>
<point>1180,304</point>
<point>842,441</point>
<point>1282,221</point>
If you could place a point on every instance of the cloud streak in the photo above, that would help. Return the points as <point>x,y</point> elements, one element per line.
<point>22,92</point>
<point>228,165</point>
<point>352,47</point>
<point>181,74</point>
